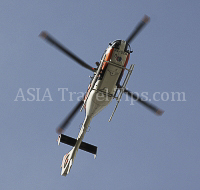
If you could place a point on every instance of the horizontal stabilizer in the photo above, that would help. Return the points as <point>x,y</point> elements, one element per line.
<point>71,141</point>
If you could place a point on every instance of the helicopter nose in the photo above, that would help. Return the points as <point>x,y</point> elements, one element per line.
<point>123,45</point>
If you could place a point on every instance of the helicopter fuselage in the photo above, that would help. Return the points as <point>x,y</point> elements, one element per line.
<point>101,91</point>
<point>114,61</point>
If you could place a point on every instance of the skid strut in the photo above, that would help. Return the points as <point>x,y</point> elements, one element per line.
<point>122,89</point>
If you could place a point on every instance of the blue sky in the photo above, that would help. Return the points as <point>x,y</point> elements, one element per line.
<point>137,150</point>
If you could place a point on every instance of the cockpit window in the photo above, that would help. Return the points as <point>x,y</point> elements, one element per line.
<point>128,48</point>
<point>116,44</point>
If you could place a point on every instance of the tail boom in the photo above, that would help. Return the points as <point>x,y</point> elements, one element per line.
<point>68,159</point>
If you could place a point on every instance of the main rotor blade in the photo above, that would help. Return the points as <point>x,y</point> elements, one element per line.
<point>145,103</point>
<point>67,120</point>
<point>57,44</point>
<point>138,28</point>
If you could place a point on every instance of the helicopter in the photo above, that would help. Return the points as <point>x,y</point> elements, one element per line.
<point>104,86</point>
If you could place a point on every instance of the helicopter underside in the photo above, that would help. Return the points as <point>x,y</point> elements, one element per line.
<point>104,89</point>
<point>101,90</point>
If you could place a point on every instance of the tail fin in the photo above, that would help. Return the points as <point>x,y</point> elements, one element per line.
<point>67,163</point>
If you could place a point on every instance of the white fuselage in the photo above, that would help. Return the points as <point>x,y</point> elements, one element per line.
<point>100,95</point>
<point>104,89</point>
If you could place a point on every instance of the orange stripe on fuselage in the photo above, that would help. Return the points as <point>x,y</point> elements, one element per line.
<point>127,59</point>
<point>107,58</point>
